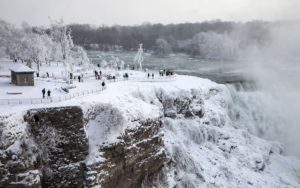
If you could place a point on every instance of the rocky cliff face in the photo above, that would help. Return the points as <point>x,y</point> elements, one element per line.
<point>49,152</point>
<point>133,158</point>
<point>62,143</point>
<point>52,148</point>
<point>132,162</point>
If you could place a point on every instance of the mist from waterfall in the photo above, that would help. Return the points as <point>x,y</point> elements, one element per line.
<point>271,110</point>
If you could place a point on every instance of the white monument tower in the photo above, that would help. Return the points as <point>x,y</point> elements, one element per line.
<point>138,59</point>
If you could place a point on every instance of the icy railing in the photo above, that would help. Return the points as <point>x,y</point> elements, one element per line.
<point>50,99</point>
<point>155,79</point>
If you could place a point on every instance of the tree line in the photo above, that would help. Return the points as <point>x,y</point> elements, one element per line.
<point>187,38</point>
<point>208,40</point>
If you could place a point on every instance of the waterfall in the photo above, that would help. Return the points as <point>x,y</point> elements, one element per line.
<point>257,111</point>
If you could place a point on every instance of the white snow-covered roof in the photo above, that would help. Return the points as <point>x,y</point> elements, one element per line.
<point>20,68</point>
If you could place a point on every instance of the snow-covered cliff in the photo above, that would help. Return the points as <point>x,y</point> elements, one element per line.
<point>179,133</point>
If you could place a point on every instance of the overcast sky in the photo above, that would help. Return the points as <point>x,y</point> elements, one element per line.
<point>131,12</point>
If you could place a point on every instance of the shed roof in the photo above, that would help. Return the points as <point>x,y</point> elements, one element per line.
<point>21,68</point>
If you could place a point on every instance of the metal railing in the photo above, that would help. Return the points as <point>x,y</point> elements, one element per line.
<point>154,79</point>
<point>49,99</point>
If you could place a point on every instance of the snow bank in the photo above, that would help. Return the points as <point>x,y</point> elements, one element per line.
<point>205,150</point>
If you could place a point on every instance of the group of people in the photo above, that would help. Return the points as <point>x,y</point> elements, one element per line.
<point>166,72</point>
<point>79,77</point>
<point>125,76</point>
<point>98,75</point>
<point>151,75</point>
<point>110,77</point>
<point>162,73</point>
<point>48,93</point>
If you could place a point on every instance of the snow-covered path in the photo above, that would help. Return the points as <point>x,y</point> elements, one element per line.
<point>77,93</point>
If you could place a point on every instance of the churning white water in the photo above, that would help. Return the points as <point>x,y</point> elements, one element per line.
<point>265,114</point>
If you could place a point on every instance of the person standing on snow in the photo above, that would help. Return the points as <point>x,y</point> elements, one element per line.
<point>44,92</point>
<point>49,93</point>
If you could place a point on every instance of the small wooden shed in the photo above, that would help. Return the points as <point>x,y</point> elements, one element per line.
<point>22,75</point>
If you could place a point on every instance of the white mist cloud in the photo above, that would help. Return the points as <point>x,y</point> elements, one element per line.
<point>277,70</point>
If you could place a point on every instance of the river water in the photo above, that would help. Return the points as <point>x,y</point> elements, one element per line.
<point>219,71</point>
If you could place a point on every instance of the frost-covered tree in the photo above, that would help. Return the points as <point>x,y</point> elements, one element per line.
<point>23,44</point>
<point>79,57</point>
<point>34,45</point>
<point>37,49</point>
<point>162,47</point>
<point>210,45</point>
<point>61,35</point>
<point>10,39</point>
<point>138,59</point>
<point>103,63</point>
<point>70,53</point>
<point>121,64</point>
<point>113,62</point>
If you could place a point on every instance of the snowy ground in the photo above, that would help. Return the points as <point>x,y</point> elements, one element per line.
<point>216,154</point>
<point>56,82</point>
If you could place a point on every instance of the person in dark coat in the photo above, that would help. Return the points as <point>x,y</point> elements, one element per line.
<point>103,84</point>
<point>47,74</point>
<point>49,93</point>
<point>152,75</point>
<point>79,77</point>
<point>96,75</point>
<point>148,75</point>
<point>44,92</point>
